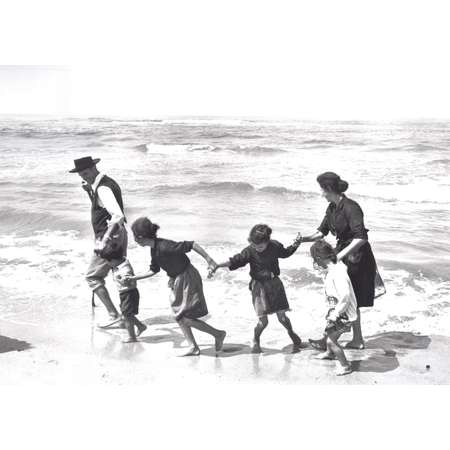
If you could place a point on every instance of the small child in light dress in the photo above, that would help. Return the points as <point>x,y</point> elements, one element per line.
<point>129,298</point>
<point>340,299</point>
<point>128,292</point>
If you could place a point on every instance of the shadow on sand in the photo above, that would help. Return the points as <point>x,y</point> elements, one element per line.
<point>382,350</point>
<point>12,345</point>
<point>159,320</point>
<point>171,336</point>
<point>230,350</point>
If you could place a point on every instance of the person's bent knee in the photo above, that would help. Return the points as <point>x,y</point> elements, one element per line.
<point>187,321</point>
<point>263,321</point>
<point>332,337</point>
<point>183,321</point>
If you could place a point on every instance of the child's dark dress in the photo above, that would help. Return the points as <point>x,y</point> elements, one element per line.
<point>268,294</point>
<point>187,298</point>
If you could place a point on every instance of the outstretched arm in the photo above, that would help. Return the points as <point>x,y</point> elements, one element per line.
<point>235,262</point>
<point>153,270</point>
<point>212,271</point>
<point>141,276</point>
<point>313,237</point>
<point>204,254</point>
<point>291,249</point>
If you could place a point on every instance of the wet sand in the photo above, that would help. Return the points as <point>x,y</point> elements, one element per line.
<point>74,351</point>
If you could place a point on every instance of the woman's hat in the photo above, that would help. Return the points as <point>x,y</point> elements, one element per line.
<point>84,163</point>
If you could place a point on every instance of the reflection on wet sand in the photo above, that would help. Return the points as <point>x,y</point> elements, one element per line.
<point>237,362</point>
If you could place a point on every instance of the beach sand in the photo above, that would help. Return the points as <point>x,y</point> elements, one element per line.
<point>75,352</point>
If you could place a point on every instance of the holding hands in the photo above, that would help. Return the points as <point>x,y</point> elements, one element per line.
<point>212,267</point>
<point>126,279</point>
<point>298,239</point>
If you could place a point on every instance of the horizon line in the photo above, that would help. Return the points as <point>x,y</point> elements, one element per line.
<point>225,116</point>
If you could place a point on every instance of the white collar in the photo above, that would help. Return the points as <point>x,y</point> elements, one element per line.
<point>97,180</point>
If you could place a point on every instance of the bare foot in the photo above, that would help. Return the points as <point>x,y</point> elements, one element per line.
<point>343,370</point>
<point>256,348</point>
<point>355,345</point>
<point>297,342</point>
<point>140,329</point>
<point>110,322</point>
<point>129,340</point>
<point>325,355</point>
<point>296,348</point>
<point>219,340</point>
<point>194,351</point>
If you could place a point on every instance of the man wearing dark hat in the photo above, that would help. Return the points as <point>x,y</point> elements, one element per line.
<point>106,212</point>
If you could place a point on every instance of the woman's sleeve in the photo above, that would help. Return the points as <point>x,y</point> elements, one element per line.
<point>355,218</point>
<point>323,227</point>
<point>178,247</point>
<point>240,259</point>
<point>154,266</point>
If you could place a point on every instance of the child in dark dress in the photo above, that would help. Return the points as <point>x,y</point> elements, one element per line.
<point>268,292</point>
<point>187,299</point>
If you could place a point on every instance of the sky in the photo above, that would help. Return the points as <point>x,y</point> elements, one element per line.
<point>302,59</point>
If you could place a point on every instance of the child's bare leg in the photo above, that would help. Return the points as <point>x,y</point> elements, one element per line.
<point>284,320</point>
<point>328,353</point>
<point>262,323</point>
<point>129,325</point>
<point>187,331</point>
<point>219,335</point>
<point>141,327</point>
<point>336,349</point>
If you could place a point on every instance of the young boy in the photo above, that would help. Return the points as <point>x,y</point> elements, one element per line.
<point>128,292</point>
<point>341,302</point>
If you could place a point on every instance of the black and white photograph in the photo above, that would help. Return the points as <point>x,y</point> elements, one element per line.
<point>224,194</point>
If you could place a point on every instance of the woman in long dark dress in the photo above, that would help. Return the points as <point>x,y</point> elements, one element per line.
<point>344,218</point>
<point>187,299</point>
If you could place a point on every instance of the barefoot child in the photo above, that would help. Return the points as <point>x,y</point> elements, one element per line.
<point>128,293</point>
<point>187,299</point>
<point>268,292</point>
<point>341,301</point>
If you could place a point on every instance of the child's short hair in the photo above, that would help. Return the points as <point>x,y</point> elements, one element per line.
<point>322,250</point>
<point>260,233</point>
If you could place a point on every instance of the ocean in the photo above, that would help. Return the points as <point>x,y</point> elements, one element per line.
<point>210,180</point>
